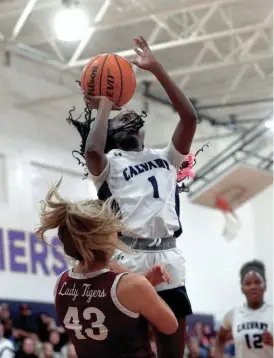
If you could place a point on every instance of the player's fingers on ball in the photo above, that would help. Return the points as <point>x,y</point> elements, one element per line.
<point>87,99</point>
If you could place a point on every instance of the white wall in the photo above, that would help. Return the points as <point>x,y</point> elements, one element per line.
<point>212,262</point>
<point>262,207</point>
<point>35,149</point>
<point>27,169</point>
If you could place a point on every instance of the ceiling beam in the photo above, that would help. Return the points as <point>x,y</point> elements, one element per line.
<point>23,18</point>
<point>211,66</point>
<point>187,41</point>
<point>83,43</point>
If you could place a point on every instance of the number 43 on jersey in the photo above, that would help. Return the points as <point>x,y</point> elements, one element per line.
<point>96,331</point>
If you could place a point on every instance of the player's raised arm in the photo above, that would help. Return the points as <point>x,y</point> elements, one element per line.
<point>185,130</point>
<point>96,159</point>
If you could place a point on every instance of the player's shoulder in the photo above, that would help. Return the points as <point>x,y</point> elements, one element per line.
<point>228,319</point>
<point>155,150</point>
<point>134,279</point>
<point>6,343</point>
<point>134,283</point>
<point>145,154</point>
<point>114,153</point>
<point>63,275</point>
<point>267,307</point>
<point>231,313</point>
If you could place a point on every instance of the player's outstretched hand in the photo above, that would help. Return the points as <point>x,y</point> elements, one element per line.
<point>158,274</point>
<point>145,58</point>
<point>268,339</point>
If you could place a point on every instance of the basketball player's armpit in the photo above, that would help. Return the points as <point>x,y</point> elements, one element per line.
<point>95,145</point>
<point>185,130</point>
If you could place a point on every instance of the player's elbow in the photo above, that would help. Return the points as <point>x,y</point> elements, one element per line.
<point>166,322</point>
<point>95,160</point>
<point>93,154</point>
<point>170,326</point>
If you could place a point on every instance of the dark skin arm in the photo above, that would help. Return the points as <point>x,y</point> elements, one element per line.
<point>185,130</point>
<point>95,145</point>
<point>222,337</point>
<point>268,339</point>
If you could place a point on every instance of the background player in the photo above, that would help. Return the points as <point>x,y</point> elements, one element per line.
<point>251,324</point>
<point>100,310</point>
<point>143,183</point>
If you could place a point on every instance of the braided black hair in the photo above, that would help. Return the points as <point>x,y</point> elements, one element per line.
<point>255,265</point>
<point>83,128</point>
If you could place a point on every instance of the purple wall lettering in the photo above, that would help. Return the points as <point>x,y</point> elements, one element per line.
<point>2,255</point>
<point>16,252</point>
<point>43,258</point>
<point>38,255</point>
<point>58,256</point>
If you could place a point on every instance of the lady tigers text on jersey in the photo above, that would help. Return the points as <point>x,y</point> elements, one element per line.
<point>84,291</point>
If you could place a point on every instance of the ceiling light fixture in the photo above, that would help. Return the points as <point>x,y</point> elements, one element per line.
<point>71,22</point>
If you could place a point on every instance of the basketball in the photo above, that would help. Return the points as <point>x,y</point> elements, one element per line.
<point>109,75</point>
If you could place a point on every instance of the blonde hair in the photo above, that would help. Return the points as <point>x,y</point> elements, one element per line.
<point>86,228</point>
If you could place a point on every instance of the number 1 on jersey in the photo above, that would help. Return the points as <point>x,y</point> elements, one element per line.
<point>154,184</point>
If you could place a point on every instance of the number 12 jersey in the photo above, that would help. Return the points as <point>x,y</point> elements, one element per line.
<point>247,327</point>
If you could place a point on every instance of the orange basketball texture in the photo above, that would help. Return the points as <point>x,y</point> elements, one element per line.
<point>109,75</point>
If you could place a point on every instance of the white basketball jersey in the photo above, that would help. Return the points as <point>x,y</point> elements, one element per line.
<point>247,328</point>
<point>145,188</point>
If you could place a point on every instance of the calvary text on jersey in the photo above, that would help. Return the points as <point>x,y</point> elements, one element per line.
<point>133,170</point>
<point>252,325</point>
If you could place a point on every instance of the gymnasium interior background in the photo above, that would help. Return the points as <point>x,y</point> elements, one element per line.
<point>218,51</point>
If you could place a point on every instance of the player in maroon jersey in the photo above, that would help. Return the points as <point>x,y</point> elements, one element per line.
<point>105,313</point>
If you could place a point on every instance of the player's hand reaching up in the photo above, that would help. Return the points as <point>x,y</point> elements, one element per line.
<point>158,274</point>
<point>145,58</point>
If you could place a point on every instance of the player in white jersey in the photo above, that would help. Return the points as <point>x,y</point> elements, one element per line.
<point>251,325</point>
<point>143,183</point>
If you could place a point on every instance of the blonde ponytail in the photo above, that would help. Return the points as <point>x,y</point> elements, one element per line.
<point>86,228</point>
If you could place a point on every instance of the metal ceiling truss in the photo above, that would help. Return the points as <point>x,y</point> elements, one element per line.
<point>233,123</point>
<point>245,149</point>
<point>194,31</point>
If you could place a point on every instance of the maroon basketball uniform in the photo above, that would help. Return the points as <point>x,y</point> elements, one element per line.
<point>95,321</point>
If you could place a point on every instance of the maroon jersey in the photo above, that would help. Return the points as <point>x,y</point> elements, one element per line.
<point>95,321</point>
